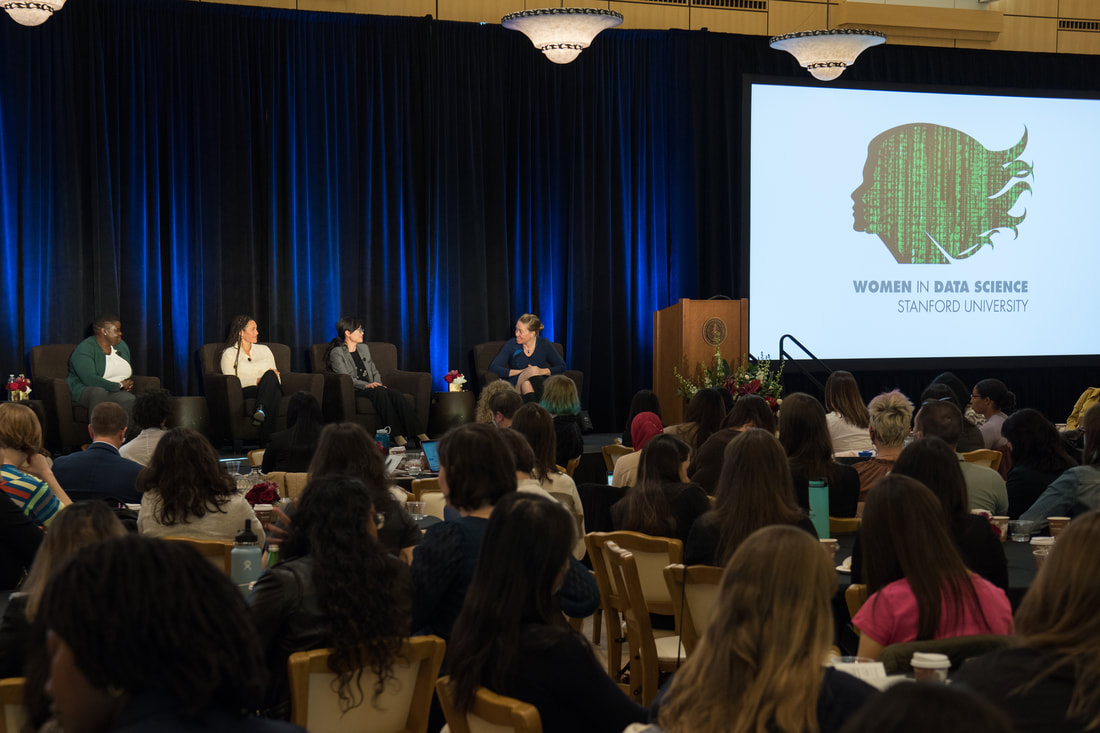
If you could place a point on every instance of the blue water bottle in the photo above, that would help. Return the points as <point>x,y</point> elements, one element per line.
<point>245,559</point>
<point>819,507</point>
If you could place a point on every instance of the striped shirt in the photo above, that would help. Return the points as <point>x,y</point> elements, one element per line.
<point>31,494</point>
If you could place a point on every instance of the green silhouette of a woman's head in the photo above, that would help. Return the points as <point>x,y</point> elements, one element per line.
<point>934,194</point>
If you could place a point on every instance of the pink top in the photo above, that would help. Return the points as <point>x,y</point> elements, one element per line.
<point>890,616</point>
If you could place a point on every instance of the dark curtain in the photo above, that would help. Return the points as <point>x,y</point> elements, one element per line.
<point>181,162</point>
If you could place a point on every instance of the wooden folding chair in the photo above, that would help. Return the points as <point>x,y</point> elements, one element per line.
<point>490,713</point>
<point>694,592</point>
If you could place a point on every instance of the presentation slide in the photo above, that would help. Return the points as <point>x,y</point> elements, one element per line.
<point>901,224</point>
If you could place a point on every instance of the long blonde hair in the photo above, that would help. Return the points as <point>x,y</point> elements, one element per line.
<point>759,665</point>
<point>1059,614</point>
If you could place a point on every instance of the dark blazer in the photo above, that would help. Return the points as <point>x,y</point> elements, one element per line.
<point>97,473</point>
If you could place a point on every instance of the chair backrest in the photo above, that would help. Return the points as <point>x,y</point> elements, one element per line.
<point>844,525</point>
<point>651,555</point>
<point>855,595</point>
<point>420,485</point>
<point>382,353</point>
<point>210,357</point>
<point>256,457</point>
<point>614,452</point>
<point>896,657</point>
<point>490,712</point>
<point>14,716</point>
<point>571,467</point>
<point>291,485</point>
<point>434,502</point>
<point>984,457</point>
<point>401,708</point>
<point>694,592</point>
<point>216,551</point>
<point>50,361</point>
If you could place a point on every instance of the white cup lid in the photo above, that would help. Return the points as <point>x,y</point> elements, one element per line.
<point>927,660</point>
<point>1042,541</point>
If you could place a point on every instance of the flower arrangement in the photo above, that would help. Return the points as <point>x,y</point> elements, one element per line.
<point>265,492</point>
<point>455,380</point>
<point>755,378</point>
<point>19,388</point>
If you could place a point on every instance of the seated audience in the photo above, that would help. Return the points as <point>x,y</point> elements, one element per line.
<point>482,413</point>
<point>990,399</point>
<point>292,449</point>
<point>145,635</point>
<point>970,437</point>
<point>1077,490</point>
<point>962,395</point>
<point>919,586</point>
<point>847,417</point>
<point>1038,458</point>
<point>645,427</point>
<point>525,481</point>
<point>535,424</point>
<point>662,503</point>
<point>749,411</point>
<point>758,665</point>
<point>890,414</point>
<point>804,435</point>
<point>346,449</point>
<point>152,408</point>
<point>476,471</point>
<point>74,529</point>
<point>511,637</point>
<point>186,493</point>
<point>644,400</point>
<point>503,406</point>
<point>704,415</point>
<point>1048,682</point>
<point>337,588</point>
<point>985,489</point>
<point>25,474</point>
<point>919,708</point>
<point>560,399</point>
<point>754,491</point>
<point>99,471</point>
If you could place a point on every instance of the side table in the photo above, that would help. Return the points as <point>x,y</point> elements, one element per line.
<point>449,410</point>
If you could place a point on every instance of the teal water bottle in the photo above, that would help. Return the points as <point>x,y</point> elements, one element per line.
<point>819,506</point>
<point>246,559</point>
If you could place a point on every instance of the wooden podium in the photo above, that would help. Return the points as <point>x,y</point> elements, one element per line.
<point>685,334</point>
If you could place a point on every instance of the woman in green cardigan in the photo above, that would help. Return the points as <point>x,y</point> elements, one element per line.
<point>99,369</point>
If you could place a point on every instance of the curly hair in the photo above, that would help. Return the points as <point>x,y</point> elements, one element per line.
<point>186,474</point>
<point>346,449</point>
<point>152,407</point>
<point>198,644</point>
<point>484,413</point>
<point>356,581</point>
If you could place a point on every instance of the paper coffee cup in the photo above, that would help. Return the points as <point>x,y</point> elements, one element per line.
<point>1057,524</point>
<point>928,667</point>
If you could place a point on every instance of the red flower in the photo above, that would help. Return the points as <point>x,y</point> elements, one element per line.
<point>265,492</point>
<point>451,376</point>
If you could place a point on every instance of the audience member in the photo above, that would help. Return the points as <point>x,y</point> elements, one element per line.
<point>644,400</point>
<point>662,502</point>
<point>292,449</point>
<point>20,537</point>
<point>847,417</point>
<point>346,449</point>
<point>758,665</point>
<point>754,491</point>
<point>890,414</point>
<point>483,413</point>
<point>990,399</point>
<point>535,424</point>
<point>25,474</point>
<point>147,635</point>
<point>645,427</point>
<point>560,399</point>
<point>970,437</point>
<point>919,708</point>
<point>99,471</point>
<point>186,492</point>
<point>476,471</point>
<point>74,529</point>
<point>985,489</point>
<point>749,411</point>
<point>336,587</point>
<point>503,406</point>
<point>1050,681</point>
<point>704,415</point>
<point>804,435</point>
<point>99,368</point>
<point>919,586</point>
<point>511,637</point>
<point>1038,458</point>
<point>1077,490</point>
<point>152,408</point>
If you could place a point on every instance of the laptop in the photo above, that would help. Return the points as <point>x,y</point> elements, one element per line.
<point>431,452</point>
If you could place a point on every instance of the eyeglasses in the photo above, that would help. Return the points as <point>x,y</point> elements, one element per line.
<point>379,520</point>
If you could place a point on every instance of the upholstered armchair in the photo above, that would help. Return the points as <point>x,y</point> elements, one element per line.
<point>230,412</point>
<point>483,355</point>
<point>342,404</point>
<point>66,420</point>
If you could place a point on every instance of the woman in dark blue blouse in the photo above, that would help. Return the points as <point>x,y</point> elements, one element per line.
<point>529,360</point>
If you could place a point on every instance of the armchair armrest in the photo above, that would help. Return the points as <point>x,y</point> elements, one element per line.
<point>418,384</point>
<point>339,397</point>
<point>59,403</point>
<point>223,396</point>
<point>305,382</point>
<point>142,384</point>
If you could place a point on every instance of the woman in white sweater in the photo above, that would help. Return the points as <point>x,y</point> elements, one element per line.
<point>254,365</point>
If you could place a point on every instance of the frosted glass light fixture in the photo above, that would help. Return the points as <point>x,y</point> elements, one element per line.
<point>827,53</point>
<point>31,12</point>
<point>561,33</point>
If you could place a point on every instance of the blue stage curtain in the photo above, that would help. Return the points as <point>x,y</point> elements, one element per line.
<point>180,162</point>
